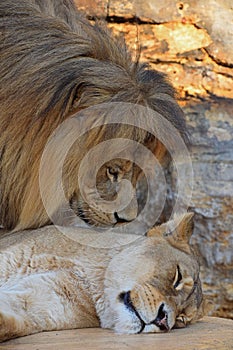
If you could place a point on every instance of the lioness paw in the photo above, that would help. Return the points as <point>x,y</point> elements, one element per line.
<point>10,326</point>
<point>181,322</point>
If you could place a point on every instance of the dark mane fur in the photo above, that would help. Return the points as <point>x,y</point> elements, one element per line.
<point>53,62</point>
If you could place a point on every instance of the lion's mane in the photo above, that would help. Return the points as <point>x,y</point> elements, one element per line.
<point>54,63</point>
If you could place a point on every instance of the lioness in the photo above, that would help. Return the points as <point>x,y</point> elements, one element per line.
<point>50,282</point>
<point>54,63</point>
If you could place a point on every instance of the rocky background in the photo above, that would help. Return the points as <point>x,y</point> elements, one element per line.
<point>192,42</point>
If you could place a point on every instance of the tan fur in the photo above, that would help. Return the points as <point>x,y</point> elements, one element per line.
<point>54,63</point>
<point>50,282</point>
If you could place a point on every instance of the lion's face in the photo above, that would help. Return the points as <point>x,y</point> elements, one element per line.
<point>115,203</point>
<point>110,186</point>
<point>82,66</point>
<point>154,284</point>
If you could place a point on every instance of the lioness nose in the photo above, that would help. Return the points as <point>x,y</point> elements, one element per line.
<point>125,297</point>
<point>161,318</point>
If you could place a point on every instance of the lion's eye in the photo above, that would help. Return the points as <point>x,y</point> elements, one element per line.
<point>178,278</point>
<point>112,174</point>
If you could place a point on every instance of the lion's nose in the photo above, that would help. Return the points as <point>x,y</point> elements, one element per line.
<point>119,219</point>
<point>161,318</point>
<point>129,213</point>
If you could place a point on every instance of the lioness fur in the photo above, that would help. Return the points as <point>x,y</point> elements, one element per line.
<point>51,282</point>
<point>54,63</point>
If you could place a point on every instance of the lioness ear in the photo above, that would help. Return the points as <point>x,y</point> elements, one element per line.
<point>180,229</point>
<point>184,227</point>
<point>157,231</point>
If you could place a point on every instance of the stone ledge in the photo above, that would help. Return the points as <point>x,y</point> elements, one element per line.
<point>210,333</point>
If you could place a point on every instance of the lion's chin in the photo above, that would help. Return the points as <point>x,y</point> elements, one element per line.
<point>90,216</point>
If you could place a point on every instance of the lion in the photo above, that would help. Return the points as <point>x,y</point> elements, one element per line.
<point>53,64</point>
<point>136,284</point>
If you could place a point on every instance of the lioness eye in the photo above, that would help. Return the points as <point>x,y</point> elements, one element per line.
<point>178,278</point>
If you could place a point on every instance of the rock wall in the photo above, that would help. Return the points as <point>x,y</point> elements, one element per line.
<point>192,42</point>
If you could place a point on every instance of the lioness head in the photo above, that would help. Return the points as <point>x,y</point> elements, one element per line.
<point>154,285</point>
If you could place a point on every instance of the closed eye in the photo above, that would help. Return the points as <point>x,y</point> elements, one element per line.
<point>113,174</point>
<point>178,279</point>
